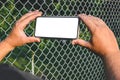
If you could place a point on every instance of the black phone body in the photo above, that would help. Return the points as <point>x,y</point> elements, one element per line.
<point>57,27</point>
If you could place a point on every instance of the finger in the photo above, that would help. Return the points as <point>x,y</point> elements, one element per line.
<point>97,21</point>
<point>93,18</point>
<point>32,39</point>
<point>89,21</point>
<point>28,14</point>
<point>30,18</point>
<point>82,43</point>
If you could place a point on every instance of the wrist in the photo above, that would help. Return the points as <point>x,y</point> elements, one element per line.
<point>7,44</point>
<point>5,48</point>
<point>112,54</point>
<point>112,66</point>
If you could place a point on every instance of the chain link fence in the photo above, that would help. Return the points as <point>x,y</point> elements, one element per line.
<point>55,59</point>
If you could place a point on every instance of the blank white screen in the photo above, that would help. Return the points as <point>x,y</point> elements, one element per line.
<point>56,27</point>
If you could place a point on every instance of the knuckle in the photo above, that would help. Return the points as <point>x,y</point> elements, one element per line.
<point>17,23</point>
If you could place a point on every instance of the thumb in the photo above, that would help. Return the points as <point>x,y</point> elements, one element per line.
<point>82,43</point>
<point>32,39</point>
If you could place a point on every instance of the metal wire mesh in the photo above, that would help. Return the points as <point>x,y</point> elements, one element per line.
<point>58,59</point>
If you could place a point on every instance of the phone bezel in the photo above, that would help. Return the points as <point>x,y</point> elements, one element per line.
<point>78,28</point>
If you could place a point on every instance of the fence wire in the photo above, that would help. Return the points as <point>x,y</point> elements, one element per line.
<point>55,59</point>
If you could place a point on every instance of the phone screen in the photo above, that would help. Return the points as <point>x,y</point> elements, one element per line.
<point>57,27</point>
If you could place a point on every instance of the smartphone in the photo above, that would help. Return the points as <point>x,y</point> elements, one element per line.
<point>57,27</point>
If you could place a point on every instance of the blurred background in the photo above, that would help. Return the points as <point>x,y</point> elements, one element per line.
<point>56,59</point>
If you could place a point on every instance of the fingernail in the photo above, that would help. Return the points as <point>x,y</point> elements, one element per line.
<point>37,10</point>
<point>82,14</point>
<point>38,40</point>
<point>30,11</point>
<point>72,43</point>
<point>89,15</point>
<point>41,12</point>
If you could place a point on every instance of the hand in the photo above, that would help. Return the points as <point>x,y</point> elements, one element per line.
<point>17,37</point>
<point>102,41</point>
